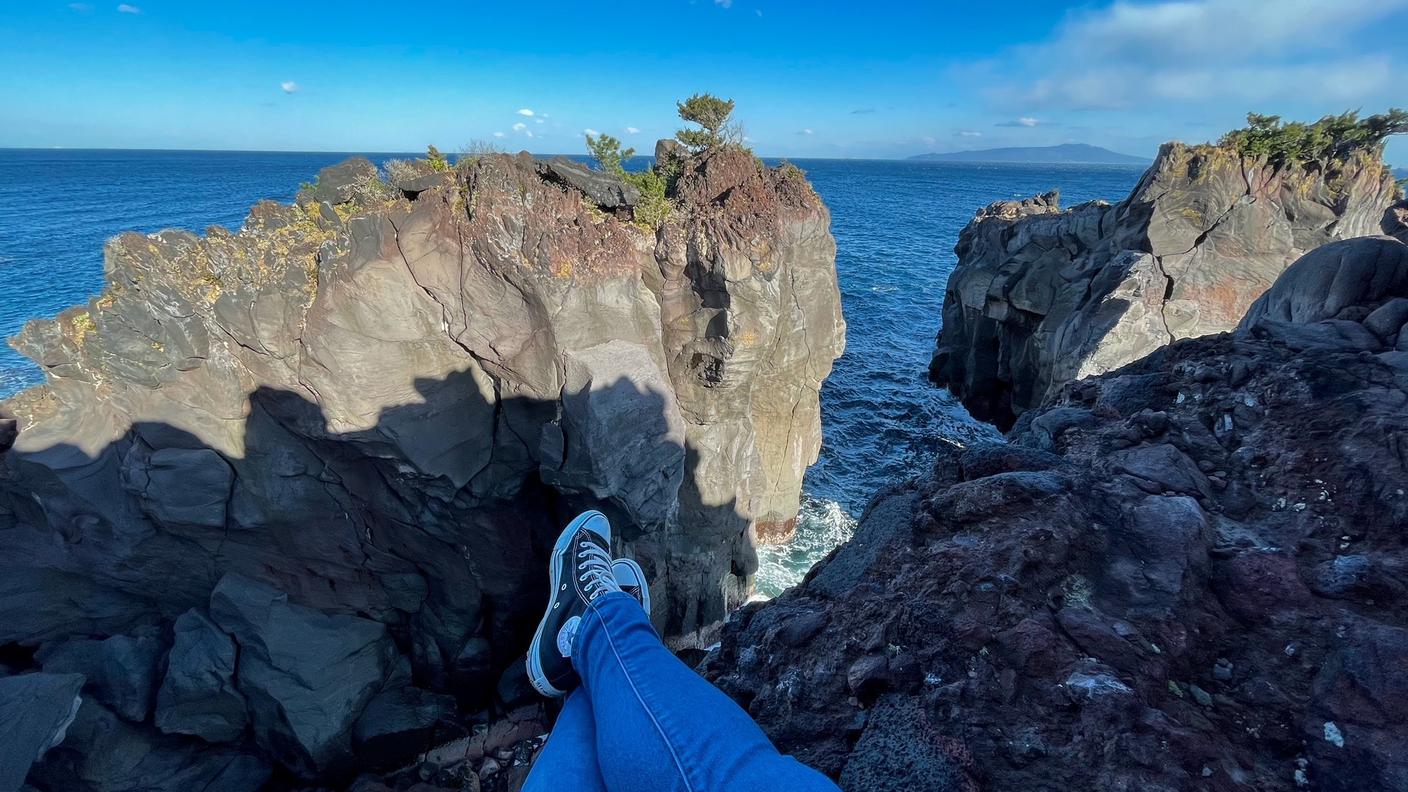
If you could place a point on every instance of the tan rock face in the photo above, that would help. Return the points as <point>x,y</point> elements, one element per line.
<point>385,402</point>
<point>1041,297</point>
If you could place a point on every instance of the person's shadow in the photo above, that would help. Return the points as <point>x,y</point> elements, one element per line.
<point>436,521</point>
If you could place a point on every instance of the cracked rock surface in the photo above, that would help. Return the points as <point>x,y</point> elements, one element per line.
<point>1043,296</point>
<point>1184,574</point>
<point>347,434</point>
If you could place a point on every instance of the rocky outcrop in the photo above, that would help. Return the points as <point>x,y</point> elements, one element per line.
<point>1042,296</point>
<point>346,435</point>
<point>1187,573</point>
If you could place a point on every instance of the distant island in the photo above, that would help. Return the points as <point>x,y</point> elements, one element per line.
<point>1400,173</point>
<point>1066,153</point>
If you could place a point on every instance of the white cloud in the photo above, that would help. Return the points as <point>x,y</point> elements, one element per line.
<point>128,9</point>
<point>289,86</point>
<point>1253,51</point>
<point>724,3</point>
<point>632,131</point>
<point>526,112</point>
<point>82,8</point>
<point>590,131</point>
<point>528,132</point>
<point>805,132</point>
<point>969,133</point>
<point>928,140</point>
<point>519,127</point>
<point>498,134</point>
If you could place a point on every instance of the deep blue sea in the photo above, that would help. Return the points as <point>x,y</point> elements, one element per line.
<point>895,225</point>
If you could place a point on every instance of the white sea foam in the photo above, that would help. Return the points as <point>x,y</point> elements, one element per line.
<point>821,526</point>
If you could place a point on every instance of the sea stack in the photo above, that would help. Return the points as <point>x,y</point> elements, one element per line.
<point>365,416</point>
<point>1042,296</point>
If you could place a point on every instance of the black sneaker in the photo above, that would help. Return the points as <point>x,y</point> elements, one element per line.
<point>631,578</point>
<point>580,569</point>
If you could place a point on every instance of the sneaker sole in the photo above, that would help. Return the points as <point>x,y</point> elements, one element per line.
<point>536,677</point>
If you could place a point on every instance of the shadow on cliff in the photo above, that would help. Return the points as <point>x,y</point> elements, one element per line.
<point>436,521</point>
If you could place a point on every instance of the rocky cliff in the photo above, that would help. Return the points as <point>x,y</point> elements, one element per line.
<point>1187,573</point>
<point>288,488</point>
<point>1042,296</point>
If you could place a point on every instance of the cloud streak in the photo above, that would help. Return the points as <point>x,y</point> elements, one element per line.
<point>1145,54</point>
<point>526,112</point>
<point>128,9</point>
<point>289,86</point>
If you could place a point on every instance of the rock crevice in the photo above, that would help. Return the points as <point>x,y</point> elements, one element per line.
<point>347,433</point>
<point>1186,573</point>
<point>1042,296</point>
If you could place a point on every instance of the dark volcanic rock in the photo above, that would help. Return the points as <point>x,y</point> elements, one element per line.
<point>1215,601</point>
<point>9,429</point>
<point>370,412</point>
<point>603,189</point>
<point>340,183</point>
<point>122,671</point>
<point>306,675</point>
<point>104,753</point>
<point>35,713</point>
<point>401,722</point>
<point>1041,297</point>
<point>198,696</point>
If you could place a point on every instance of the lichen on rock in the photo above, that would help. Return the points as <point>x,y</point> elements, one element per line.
<point>375,408</point>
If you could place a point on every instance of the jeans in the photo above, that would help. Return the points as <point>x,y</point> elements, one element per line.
<point>642,721</point>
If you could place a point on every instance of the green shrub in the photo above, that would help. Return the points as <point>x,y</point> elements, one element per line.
<point>437,160</point>
<point>1334,137</point>
<point>654,207</point>
<point>401,171</point>
<point>791,171</point>
<point>714,116</point>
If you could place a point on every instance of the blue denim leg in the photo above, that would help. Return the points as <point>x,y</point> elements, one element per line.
<point>568,762</point>
<point>660,726</point>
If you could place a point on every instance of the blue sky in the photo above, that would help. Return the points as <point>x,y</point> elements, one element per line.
<point>819,78</point>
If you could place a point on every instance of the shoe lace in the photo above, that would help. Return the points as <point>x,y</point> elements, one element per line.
<point>595,566</point>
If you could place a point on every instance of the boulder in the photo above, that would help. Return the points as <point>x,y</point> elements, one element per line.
<point>339,184</point>
<point>306,675</point>
<point>602,189</point>
<point>1042,297</point>
<point>122,671</point>
<point>35,713</point>
<point>1332,281</point>
<point>198,695</point>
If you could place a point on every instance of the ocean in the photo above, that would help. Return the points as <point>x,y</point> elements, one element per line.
<point>895,224</point>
